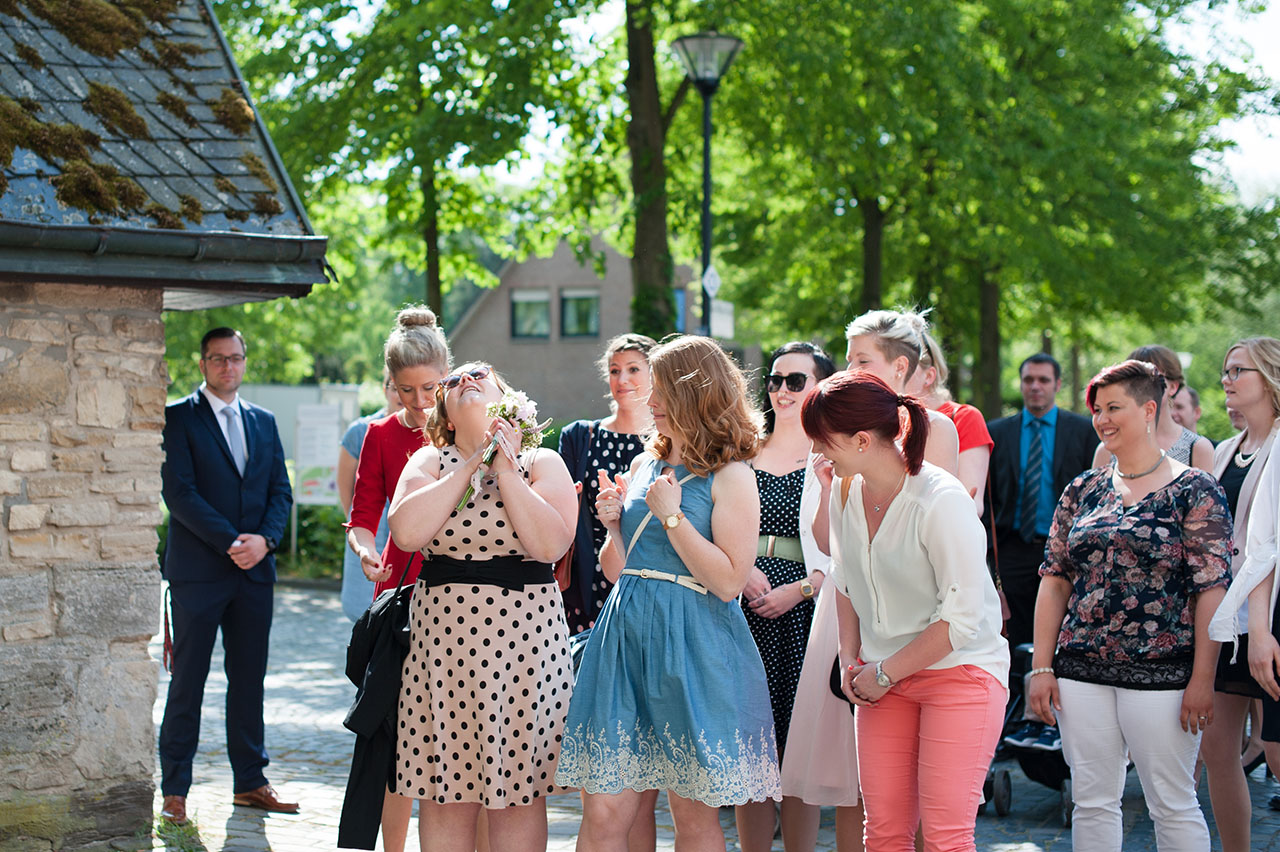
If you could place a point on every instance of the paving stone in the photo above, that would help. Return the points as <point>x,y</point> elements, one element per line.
<point>307,696</point>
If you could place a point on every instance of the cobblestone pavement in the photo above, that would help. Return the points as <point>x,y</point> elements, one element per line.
<point>307,696</point>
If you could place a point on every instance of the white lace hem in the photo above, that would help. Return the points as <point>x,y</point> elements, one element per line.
<point>646,760</point>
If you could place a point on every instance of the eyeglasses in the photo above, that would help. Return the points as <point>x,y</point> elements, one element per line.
<point>1233,373</point>
<point>795,382</point>
<point>477,373</point>
<point>219,360</point>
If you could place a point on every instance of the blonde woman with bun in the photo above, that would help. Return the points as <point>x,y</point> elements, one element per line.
<point>417,358</point>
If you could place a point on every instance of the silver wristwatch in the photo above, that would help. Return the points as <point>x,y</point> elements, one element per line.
<point>882,679</point>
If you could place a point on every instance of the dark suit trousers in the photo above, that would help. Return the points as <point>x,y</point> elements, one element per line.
<point>242,609</point>
<point>1020,577</point>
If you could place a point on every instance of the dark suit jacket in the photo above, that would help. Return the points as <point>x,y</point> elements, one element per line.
<point>1074,443</point>
<point>209,502</point>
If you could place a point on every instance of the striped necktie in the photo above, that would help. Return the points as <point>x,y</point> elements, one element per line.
<point>1031,481</point>
<point>235,437</point>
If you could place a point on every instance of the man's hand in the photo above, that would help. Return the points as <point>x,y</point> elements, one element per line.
<point>247,550</point>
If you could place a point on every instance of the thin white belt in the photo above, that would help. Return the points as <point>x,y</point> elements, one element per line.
<point>680,579</point>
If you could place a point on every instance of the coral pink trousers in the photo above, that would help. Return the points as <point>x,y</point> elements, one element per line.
<point>923,754</point>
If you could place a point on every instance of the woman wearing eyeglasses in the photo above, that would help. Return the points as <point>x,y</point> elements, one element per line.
<point>487,680</point>
<point>778,599</point>
<point>417,357</point>
<point>1251,379</point>
<point>1182,445</point>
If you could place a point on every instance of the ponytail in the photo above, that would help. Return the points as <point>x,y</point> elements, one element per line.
<point>917,436</point>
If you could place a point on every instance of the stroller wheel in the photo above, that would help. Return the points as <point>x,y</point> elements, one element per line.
<point>1002,792</point>
<point>988,785</point>
<point>1066,803</point>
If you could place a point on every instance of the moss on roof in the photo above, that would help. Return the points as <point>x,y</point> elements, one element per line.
<point>115,110</point>
<point>29,55</point>
<point>258,169</point>
<point>233,112</point>
<point>177,107</point>
<point>154,33</point>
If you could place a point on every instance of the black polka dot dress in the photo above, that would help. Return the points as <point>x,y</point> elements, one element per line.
<point>486,683</point>
<point>782,640</point>
<point>611,452</point>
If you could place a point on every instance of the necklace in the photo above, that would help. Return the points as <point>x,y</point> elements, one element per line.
<point>1243,460</point>
<point>1151,469</point>
<point>877,505</point>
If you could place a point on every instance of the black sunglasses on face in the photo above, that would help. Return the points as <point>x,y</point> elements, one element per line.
<point>795,382</point>
<point>477,373</point>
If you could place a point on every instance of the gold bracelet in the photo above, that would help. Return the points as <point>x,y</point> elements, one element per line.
<point>1041,670</point>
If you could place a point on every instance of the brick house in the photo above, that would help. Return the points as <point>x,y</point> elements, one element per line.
<point>545,325</point>
<point>135,177</point>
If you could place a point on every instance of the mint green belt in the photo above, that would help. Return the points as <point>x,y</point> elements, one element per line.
<point>781,547</point>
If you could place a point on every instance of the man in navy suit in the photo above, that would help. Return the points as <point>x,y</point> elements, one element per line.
<point>225,484</point>
<point>1060,445</point>
<point>1037,453</point>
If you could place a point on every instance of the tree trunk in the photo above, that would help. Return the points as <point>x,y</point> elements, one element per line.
<point>652,309</point>
<point>1076,379</point>
<point>986,378</point>
<point>431,238</point>
<point>872,248</point>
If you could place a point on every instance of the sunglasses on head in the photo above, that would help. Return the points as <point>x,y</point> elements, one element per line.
<point>477,373</point>
<point>795,382</point>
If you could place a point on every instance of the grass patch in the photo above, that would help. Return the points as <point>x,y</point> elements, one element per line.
<point>179,838</point>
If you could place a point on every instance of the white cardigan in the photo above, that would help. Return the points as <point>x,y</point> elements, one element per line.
<point>926,563</point>
<point>1259,551</point>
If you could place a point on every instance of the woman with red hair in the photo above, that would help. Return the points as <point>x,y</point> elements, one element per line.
<point>920,646</point>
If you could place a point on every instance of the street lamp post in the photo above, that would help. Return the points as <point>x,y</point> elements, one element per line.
<point>706,57</point>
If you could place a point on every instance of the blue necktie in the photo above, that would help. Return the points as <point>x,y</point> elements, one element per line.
<point>1031,482</point>
<point>235,437</point>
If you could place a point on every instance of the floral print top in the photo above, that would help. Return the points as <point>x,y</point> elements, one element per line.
<point>1134,571</point>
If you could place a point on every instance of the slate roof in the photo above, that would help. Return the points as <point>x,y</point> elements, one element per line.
<point>130,149</point>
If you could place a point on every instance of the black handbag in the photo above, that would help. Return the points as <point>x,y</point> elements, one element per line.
<point>387,615</point>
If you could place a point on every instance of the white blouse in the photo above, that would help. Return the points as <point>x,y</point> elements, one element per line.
<point>926,563</point>
<point>1259,553</point>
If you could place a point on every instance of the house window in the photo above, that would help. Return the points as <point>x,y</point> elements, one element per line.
<point>580,312</point>
<point>530,313</point>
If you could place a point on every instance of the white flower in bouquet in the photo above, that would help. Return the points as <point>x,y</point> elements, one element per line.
<point>522,413</point>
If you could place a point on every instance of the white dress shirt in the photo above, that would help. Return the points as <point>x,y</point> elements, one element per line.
<point>926,563</point>
<point>217,405</point>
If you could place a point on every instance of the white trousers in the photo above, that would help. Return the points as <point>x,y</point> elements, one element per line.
<point>1104,725</point>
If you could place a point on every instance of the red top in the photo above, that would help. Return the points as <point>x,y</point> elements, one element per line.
<point>386,449</point>
<point>970,425</point>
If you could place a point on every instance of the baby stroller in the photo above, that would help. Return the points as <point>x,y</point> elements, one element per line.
<point>1040,760</point>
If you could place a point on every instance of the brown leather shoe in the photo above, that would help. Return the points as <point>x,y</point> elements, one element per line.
<point>174,810</point>
<point>266,798</point>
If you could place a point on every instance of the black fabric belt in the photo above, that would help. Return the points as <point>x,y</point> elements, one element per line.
<point>508,572</point>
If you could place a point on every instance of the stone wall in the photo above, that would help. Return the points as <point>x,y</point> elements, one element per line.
<point>82,393</point>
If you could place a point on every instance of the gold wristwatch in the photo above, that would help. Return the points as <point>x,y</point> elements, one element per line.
<point>673,521</point>
<point>806,589</point>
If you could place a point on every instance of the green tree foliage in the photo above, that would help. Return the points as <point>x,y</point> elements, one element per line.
<point>336,333</point>
<point>1017,165</point>
<point>418,97</point>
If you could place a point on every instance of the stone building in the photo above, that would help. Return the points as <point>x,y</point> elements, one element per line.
<point>135,177</point>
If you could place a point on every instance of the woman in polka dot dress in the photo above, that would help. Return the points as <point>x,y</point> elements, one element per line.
<point>779,596</point>
<point>609,445</point>
<point>672,694</point>
<point>487,680</point>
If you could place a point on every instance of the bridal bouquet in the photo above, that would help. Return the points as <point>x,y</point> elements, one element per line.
<point>522,413</point>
